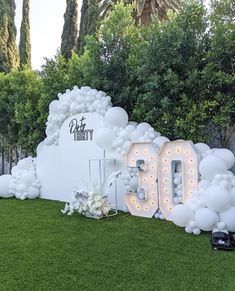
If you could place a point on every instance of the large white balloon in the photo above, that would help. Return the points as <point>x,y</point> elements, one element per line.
<point>226,155</point>
<point>160,140</point>
<point>228,217</point>
<point>206,219</point>
<point>104,137</point>
<point>5,181</point>
<point>217,198</point>
<point>210,166</point>
<point>181,215</point>
<point>116,117</point>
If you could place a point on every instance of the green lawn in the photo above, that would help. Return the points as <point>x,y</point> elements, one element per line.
<point>41,249</point>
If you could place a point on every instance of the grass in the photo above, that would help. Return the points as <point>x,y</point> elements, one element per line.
<point>41,249</point>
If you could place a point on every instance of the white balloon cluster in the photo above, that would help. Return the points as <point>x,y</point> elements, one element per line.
<point>118,133</point>
<point>24,183</point>
<point>88,203</point>
<point>74,102</point>
<point>212,206</point>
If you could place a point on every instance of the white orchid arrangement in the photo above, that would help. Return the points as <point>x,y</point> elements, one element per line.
<point>93,203</point>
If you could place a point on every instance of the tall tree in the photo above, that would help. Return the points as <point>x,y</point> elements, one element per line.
<point>88,22</point>
<point>146,9</point>
<point>8,48</point>
<point>70,29</point>
<point>25,46</point>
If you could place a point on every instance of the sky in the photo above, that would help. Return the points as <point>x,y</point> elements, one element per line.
<point>46,21</point>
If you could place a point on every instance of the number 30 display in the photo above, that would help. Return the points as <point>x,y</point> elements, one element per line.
<point>156,174</point>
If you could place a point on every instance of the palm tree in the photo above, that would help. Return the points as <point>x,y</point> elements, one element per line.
<point>145,9</point>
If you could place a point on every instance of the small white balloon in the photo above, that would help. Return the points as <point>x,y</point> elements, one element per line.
<point>196,231</point>
<point>21,188</point>
<point>27,177</point>
<point>160,140</point>
<point>136,135</point>
<point>143,127</point>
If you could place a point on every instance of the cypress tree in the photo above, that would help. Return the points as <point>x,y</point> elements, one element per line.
<point>88,22</point>
<point>70,29</point>
<point>8,50</point>
<point>24,45</point>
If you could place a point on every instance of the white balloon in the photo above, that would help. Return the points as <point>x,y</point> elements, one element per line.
<point>226,155</point>
<point>210,166</point>
<point>116,116</point>
<point>21,188</point>
<point>206,219</point>
<point>221,225</point>
<point>228,217</point>
<point>130,128</point>
<point>179,167</point>
<point>133,123</point>
<point>33,192</point>
<point>14,170</point>
<point>202,147</point>
<point>181,215</point>
<point>5,181</point>
<point>217,198</point>
<point>232,192</point>
<point>124,134</point>
<point>54,106</point>
<point>27,177</point>
<point>160,140</point>
<point>40,147</point>
<point>134,183</point>
<point>143,127</point>
<point>204,184</point>
<point>136,135</point>
<point>104,138</point>
<point>196,231</point>
<point>25,164</point>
